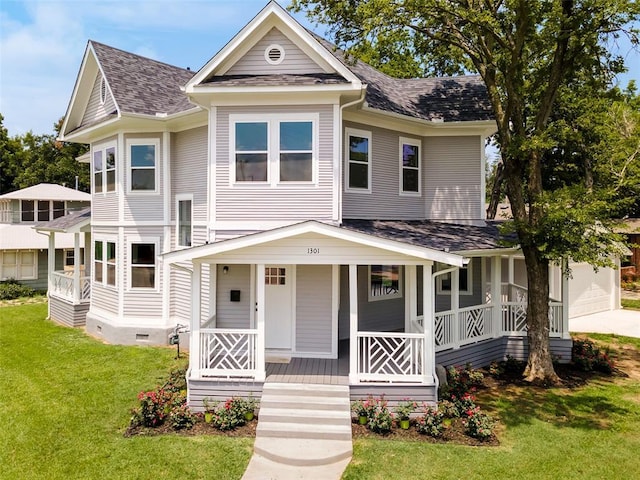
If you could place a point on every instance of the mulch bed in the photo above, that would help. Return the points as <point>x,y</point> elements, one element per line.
<point>200,428</point>
<point>453,434</point>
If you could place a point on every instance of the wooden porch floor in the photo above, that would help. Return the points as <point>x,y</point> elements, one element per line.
<point>312,370</point>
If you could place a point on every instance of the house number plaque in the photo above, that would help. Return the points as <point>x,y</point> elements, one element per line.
<point>313,251</point>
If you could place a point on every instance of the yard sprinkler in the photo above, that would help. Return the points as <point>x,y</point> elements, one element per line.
<point>174,338</point>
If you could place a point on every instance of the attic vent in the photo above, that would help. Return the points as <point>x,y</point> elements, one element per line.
<point>103,90</point>
<point>274,54</point>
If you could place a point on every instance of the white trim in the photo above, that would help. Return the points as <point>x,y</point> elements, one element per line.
<point>312,226</point>
<point>103,147</point>
<point>273,121</point>
<point>281,51</point>
<point>398,294</point>
<point>416,143</point>
<point>183,197</point>
<point>483,180</point>
<point>154,240</point>
<point>335,308</point>
<point>348,132</point>
<point>143,142</point>
<point>104,239</point>
<point>166,175</point>
<point>212,155</point>
<point>336,168</point>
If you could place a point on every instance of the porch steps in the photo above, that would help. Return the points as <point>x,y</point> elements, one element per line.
<point>304,426</point>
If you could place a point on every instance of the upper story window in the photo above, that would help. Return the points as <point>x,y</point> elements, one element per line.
<point>410,166</point>
<point>27,210</point>
<point>184,220</point>
<point>384,282</point>
<point>358,164</point>
<point>143,161</point>
<point>143,265</point>
<point>41,210</point>
<point>273,150</point>
<point>465,283</point>
<point>104,262</point>
<point>104,169</point>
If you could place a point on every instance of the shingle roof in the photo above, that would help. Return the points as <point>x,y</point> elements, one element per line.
<point>47,191</point>
<point>72,219</point>
<point>462,98</point>
<point>448,237</point>
<point>282,79</point>
<point>142,85</point>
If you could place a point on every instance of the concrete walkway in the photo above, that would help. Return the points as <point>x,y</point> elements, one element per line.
<point>621,322</point>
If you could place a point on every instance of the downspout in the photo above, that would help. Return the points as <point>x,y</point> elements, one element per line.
<point>340,143</point>
<point>465,261</point>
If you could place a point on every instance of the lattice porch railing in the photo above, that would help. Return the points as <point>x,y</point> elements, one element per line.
<point>390,357</point>
<point>228,352</point>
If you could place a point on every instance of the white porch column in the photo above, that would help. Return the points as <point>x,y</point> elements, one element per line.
<point>455,306</point>
<point>511,274</point>
<point>353,324</point>
<point>196,300</point>
<point>213,292</point>
<point>428,322</point>
<point>496,294</point>
<point>76,268</point>
<point>565,300</point>
<point>260,313</point>
<point>51,267</point>
<point>410,298</point>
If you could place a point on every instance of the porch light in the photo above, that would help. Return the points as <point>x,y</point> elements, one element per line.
<point>225,270</point>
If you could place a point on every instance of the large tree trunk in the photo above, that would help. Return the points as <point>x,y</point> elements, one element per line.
<point>496,189</point>
<point>539,365</point>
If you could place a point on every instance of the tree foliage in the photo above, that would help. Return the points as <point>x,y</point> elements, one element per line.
<point>29,159</point>
<point>535,58</point>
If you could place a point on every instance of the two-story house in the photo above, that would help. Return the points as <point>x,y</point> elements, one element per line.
<point>24,252</point>
<point>303,214</point>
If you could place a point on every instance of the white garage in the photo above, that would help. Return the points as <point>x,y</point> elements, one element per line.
<point>591,292</point>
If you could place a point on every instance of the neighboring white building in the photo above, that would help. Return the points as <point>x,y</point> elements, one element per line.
<point>23,251</point>
<point>287,204</point>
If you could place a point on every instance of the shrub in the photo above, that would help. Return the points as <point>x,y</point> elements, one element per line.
<point>380,419</point>
<point>177,381</point>
<point>461,380</point>
<point>229,415</point>
<point>155,405</point>
<point>477,424</point>
<point>366,408</point>
<point>513,366</point>
<point>181,417</point>
<point>405,408</point>
<point>431,422</point>
<point>10,290</point>
<point>465,403</point>
<point>496,369</point>
<point>588,357</point>
<point>448,409</point>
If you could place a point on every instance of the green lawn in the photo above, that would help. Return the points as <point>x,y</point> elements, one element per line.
<point>631,303</point>
<point>64,404</point>
<point>65,398</point>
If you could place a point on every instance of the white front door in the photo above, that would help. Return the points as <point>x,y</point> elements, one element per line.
<point>278,281</point>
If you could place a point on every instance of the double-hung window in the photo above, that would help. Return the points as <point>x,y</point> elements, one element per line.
<point>142,175</point>
<point>409,166</point>
<point>27,210</point>
<point>273,149</point>
<point>104,262</point>
<point>18,264</point>
<point>358,160</point>
<point>465,286</point>
<point>104,169</point>
<point>143,265</point>
<point>184,220</point>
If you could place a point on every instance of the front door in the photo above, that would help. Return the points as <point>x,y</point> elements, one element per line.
<point>278,306</point>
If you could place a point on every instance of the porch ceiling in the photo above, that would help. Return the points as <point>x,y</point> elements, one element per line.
<point>313,242</point>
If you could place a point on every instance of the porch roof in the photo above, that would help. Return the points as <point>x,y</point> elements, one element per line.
<point>73,222</point>
<point>393,245</point>
<point>448,237</point>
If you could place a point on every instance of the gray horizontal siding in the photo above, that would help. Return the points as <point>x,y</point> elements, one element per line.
<point>105,206</point>
<point>180,293</point>
<point>103,298</point>
<point>219,391</point>
<point>384,201</point>
<point>394,394</point>
<point>233,314</point>
<point>453,177</point>
<point>96,110</point>
<point>313,308</point>
<point>483,353</point>
<point>66,313</point>
<point>254,63</point>
<point>144,206</point>
<point>289,202</point>
<point>189,170</point>
<point>377,316</point>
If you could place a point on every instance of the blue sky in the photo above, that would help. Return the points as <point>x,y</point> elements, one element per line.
<point>42,43</point>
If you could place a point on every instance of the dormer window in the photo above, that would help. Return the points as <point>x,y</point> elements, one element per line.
<point>274,54</point>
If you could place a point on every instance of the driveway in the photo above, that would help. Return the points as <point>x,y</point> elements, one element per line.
<point>621,322</point>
